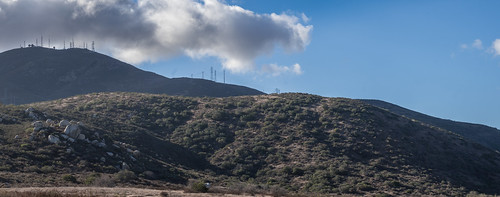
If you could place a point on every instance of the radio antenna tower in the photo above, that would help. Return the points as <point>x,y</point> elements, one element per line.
<point>215,75</point>
<point>41,40</point>
<point>64,44</point>
<point>211,73</point>
<point>93,46</point>
<point>202,75</point>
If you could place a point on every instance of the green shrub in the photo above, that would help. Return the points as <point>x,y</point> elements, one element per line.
<point>47,169</point>
<point>199,187</point>
<point>365,187</point>
<point>69,178</point>
<point>394,184</point>
<point>125,176</point>
<point>91,179</point>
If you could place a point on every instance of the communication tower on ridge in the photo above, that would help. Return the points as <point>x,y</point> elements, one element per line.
<point>211,73</point>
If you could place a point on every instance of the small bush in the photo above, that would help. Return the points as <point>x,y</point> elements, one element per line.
<point>394,184</point>
<point>91,179</point>
<point>47,169</point>
<point>365,187</point>
<point>125,176</point>
<point>69,178</point>
<point>199,187</point>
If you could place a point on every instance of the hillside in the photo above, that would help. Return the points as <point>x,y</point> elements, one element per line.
<point>39,74</point>
<point>287,142</point>
<point>487,136</point>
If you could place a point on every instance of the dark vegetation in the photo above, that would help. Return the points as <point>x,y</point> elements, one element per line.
<point>487,136</point>
<point>287,143</point>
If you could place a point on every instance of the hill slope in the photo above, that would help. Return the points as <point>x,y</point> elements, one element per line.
<point>296,142</point>
<point>487,136</point>
<point>39,74</point>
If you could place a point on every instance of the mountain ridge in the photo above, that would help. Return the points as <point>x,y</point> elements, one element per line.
<point>37,74</point>
<point>483,134</point>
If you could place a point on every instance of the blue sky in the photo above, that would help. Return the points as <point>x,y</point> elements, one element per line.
<point>416,54</point>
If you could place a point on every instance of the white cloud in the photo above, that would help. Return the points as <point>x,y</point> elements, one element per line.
<point>478,44</point>
<point>496,46</point>
<point>276,70</point>
<point>463,46</point>
<point>150,30</point>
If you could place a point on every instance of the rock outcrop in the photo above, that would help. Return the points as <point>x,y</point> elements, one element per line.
<point>72,130</point>
<point>54,139</point>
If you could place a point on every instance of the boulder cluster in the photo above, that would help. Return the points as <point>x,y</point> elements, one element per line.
<point>77,139</point>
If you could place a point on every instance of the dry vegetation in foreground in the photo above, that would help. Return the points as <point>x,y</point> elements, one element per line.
<point>100,191</point>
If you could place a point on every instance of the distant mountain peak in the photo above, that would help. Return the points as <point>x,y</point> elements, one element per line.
<point>37,74</point>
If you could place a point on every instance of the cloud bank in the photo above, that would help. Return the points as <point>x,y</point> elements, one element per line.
<point>150,30</point>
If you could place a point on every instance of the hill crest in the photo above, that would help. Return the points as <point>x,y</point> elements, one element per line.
<point>37,74</point>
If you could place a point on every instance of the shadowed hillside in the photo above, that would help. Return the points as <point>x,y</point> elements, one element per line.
<point>287,143</point>
<point>487,136</point>
<point>39,74</point>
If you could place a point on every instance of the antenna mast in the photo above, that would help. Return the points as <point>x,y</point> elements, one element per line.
<point>224,75</point>
<point>93,46</point>
<point>215,75</point>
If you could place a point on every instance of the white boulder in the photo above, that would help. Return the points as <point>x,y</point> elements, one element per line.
<point>30,109</point>
<point>50,122</point>
<point>72,131</point>
<point>37,125</point>
<point>125,166</point>
<point>81,137</point>
<point>63,123</point>
<point>54,139</point>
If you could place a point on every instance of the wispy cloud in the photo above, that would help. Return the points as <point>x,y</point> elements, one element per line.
<point>139,31</point>
<point>276,70</point>
<point>478,44</point>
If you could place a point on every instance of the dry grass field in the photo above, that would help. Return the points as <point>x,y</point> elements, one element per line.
<point>101,191</point>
